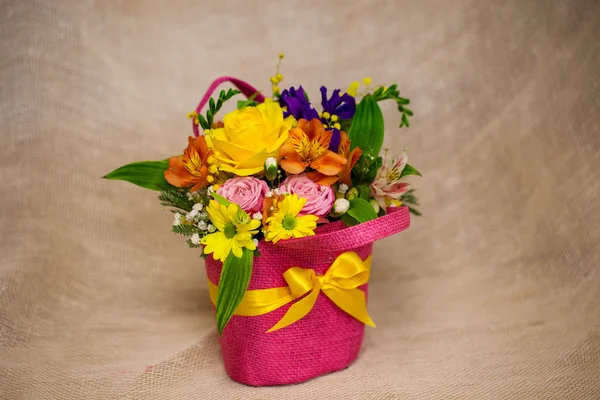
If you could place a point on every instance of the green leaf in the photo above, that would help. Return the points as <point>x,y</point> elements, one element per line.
<point>248,103</point>
<point>203,122</point>
<point>361,210</point>
<point>147,174</point>
<point>366,131</point>
<point>220,199</point>
<point>414,211</point>
<point>348,220</point>
<point>211,104</point>
<point>409,170</point>
<point>233,284</point>
<point>364,192</point>
<point>373,168</point>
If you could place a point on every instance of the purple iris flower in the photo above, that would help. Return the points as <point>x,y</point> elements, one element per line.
<point>344,106</point>
<point>297,104</point>
<point>334,143</point>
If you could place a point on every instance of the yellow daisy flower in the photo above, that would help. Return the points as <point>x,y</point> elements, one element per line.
<point>285,222</point>
<point>235,231</point>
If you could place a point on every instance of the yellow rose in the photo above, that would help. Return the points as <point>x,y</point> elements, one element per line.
<point>249,136</point>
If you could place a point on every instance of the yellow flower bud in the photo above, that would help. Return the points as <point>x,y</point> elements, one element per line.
<point>353,89</point>
<point>274,80</point>
<point>211,160</point>
<point>326,115</point>
<point>275,89</point>
<point>215,187</point>
<point>367,81</point>
<point>279,77</point>
<point>337,126</point>
<point>213,169</point>
<point>281,55</point>
<point>334,118</point>
<point>192,115</point>
<point>210,179</point>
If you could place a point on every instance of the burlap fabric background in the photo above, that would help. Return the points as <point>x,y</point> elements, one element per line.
<point>495,293</point>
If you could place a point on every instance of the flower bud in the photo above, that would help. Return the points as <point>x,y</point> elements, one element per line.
<point>341,206</point>
<point>242,217</point>
<point>352,194</point>
<point>375,205</point>
<point>271,168</point>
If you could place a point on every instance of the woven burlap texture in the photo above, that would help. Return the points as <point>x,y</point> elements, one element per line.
<point>493,294</point>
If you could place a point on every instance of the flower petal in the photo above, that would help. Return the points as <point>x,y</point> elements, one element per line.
<point>329,163</point>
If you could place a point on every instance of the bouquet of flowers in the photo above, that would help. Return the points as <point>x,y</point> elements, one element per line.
<point>284,199</point>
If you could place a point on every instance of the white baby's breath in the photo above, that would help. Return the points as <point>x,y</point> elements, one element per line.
<point>257,215</point>
<point>192,215</point>
<point>202,226</point>
<point>198,206</point>
<point>195,239</point>
<point>211,228</point>
<point>343,188</point>
<point>177,219</point>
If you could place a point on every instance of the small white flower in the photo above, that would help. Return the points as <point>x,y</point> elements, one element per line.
<point>210,189</point>
<point>255,241</point>
<point>257,215</point>
<point>189,196</point>
<point>211,228</point>
<point>202,226</point>
<point>343,188</point>
<point>195,239</point>
<point>198,206</point>
<point>276,191</point>
<point>191,215</point>
<point>176,219</point>
<point>340,206</point>
<point>269,194</point>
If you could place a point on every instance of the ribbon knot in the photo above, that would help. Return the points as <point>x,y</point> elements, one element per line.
<point>340,283</point>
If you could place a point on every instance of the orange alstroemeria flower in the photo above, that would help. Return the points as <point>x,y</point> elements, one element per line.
<point>308,146</point>
<point>345,175</point>
<point>191,168</point>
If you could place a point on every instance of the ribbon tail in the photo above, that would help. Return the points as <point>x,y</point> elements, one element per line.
<point>352,301</point>
<point>298,310</point>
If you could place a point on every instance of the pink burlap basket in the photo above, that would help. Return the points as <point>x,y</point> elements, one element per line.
<point>327,339</point>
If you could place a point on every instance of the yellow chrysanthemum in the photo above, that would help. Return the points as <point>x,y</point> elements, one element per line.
<point>235,231</point>
<point>285,222</point>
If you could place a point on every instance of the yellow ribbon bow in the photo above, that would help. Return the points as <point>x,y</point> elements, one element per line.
<point>340,283</point>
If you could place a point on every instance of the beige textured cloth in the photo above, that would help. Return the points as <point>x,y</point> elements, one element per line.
<point>494,293</point>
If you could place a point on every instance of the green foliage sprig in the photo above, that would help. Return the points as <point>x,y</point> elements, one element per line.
<point>392,93</point>
<point>213,108</point>
<point>176,198</point>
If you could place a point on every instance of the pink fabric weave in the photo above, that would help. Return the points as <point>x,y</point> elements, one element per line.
<point>325,340</point>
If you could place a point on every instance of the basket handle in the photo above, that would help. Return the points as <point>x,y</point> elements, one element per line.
<point>247,90</point>
<point>397,220</point>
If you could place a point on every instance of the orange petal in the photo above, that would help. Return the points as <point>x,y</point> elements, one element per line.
<point>201,147</point>
<point>354,156</point>
<point>316,131</point>
<point>286,150</point>
<point>292,164</point>
<point>176,174</point>
<point>321,179</point>
<point>302,125</point>
<point>344,144</point>
<point>329,163</point>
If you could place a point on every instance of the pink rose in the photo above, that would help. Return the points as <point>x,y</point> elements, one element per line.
<point>319,198</point>
<point>247,192</point>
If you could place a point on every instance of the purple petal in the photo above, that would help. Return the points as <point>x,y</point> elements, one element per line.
<point>334,144</point>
